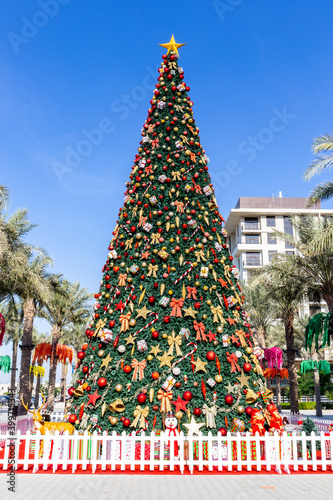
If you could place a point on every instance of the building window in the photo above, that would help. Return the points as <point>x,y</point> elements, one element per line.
<point>270,220</point>
<point>290,252</point>
<point>252,259</point>
<point>271,239</point>
<point>288,229</point>
<point>252,239</point>
<point>271,254</point>
<point>251,223</point>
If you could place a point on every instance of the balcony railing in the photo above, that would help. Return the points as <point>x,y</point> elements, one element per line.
<point>250,226</point>
<point>252,262</point>
<point>248,240</point>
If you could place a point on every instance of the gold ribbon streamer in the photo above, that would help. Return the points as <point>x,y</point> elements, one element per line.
<point>152,270</point>
<point>165,398</point>
<point>122,279</point>
<point>140,414</point>
<point>174,341</point>
<point>210,415</point>
<point>138,366</point>
<point>217,314</point>
<point>124,320</point>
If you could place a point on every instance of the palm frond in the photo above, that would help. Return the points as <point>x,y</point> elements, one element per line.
<point>321,192</point>
<point>323,162</point>
<point>4,197</point>
<point>322,241</point>
<point>322,143</point>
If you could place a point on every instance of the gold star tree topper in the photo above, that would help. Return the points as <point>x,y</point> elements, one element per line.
<point>172,45</point>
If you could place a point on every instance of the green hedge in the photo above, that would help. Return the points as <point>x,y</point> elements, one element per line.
<point>311,405</point>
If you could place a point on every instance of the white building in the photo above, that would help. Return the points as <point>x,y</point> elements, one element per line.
<point>251,224</point>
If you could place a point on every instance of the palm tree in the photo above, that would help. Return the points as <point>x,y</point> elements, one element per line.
<point>286,287</point>
<point>68,306</point>
<point>14,331</point>
<point>323,147</point>
<point>261,310</point>
<point>30,280</point>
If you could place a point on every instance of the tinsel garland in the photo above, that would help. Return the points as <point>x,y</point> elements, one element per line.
<point>318,324</point>
<point>5,364</point>
<point>322,366</point>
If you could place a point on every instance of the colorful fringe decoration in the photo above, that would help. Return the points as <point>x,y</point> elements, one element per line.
<point>273,357</point>
<point>2,328</point>
<point>276,372</point>
<point>5,364</point>
<point>38,371</point>
<point>318,324</point>
<point>322,366</point>
<point>45,350</point>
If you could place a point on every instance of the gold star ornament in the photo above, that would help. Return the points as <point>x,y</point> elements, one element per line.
<point>172,45</point>
<point>193,427</point>
<point>165,359</point>
<point>106,361</point>
<point>243,380</point>
<point>199,365</point>
<point>143,312</point>
<point>155,350</point>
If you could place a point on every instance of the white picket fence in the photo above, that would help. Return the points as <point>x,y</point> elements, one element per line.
<point>321,424</point>
<point>149,451</point>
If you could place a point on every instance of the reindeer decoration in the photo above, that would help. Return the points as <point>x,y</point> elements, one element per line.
<point>52,427</point>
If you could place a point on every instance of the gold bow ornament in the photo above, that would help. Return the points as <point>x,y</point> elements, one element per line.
<point>140,414</point>
<point>210,415</point>
<point>174,341</point>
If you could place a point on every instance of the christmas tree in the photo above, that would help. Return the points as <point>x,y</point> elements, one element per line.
<point>169,332</point>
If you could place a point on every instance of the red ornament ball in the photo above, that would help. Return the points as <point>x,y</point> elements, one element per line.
<point>127,369</point>
<point>112,323</point>
<point>247,367</point>
<point>197,305</point>
<point>72,418</point>
<point>248,411</point>
<point>155,375</point>
<point>71,391</point>
<point>141,398</point>
<point>84,346</point>
<point>210,356</point>
<point>151,300</point>
<point>126,422</point>
<point>102,382</point>
<point>270,407</point>
<point>85,369</point>
<point>81,355</point>
<point>197,412</point>
<point>187,395</point>
<point>223,431</point>
<point>166,319</point>
<point>229,399</point>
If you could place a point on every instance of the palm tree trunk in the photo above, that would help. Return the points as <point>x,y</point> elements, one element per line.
<point>316,380</point>
<point>29,311</point>
<point>56,332</point>
<point>278,393</point>
<point>261,337</point>
<point>291,355</point>
<point>40,363</point>
<point>63,382</point>
<point>14,367</point>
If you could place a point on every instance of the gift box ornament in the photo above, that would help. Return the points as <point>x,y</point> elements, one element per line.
<point>134,269</point>
<point>224,232</point>
<point>211,382</point>
<point>181,87</point>
<point>187,188</point>
<point>237,425</point>
<point>94,419</point>
<point>145,139</point>
<point>142,163</point>
<point>235,272</point>
<point>153,200</point>
<point>184,333</point>
<point>192,223</point>
<point>206,159</point>
<point>147,227</point>
<point>164,301</point>
<point>178,145</point>
<point>162,178</point>
<point>186,116</point>
<point>208,190</point>
<point>180,70</point>
<point>259,352</point>
<point>163,254</point>
<point>204,272</point>
<point>142,345</point>
<point>218,247</point>
<point>112,255</point>
<point>161,104</point>
<point>105,336</point>
<point>127,198</point>
<point>231,301</point>
<point>169,383</point>
<point>225,340</point>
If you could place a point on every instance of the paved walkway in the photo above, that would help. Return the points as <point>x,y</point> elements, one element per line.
<point>169,487</point>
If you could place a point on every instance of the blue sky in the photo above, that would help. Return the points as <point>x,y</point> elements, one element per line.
<point>75,83</point>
